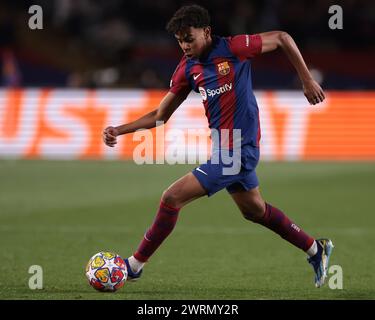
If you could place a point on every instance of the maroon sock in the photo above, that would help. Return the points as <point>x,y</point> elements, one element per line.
<point>278,222</point>
<point>162,226</point>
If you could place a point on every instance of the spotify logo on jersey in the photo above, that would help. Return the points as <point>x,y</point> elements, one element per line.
<point>213,92</point>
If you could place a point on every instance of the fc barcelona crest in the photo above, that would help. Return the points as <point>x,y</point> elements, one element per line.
<point>223,68</point>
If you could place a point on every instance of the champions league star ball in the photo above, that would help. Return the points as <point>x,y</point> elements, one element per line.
<point>106,271</point>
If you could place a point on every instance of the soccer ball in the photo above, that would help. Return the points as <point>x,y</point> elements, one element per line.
<point>106,271</point>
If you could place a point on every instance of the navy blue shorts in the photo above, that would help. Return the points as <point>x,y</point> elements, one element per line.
<point>217,174</point>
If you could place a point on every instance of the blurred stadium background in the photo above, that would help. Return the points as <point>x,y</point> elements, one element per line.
<point>116,43</point>
<point>98,63</point>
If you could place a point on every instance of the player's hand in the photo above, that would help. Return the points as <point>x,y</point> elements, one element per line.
<point>110,136</point>
<point>313,92</point>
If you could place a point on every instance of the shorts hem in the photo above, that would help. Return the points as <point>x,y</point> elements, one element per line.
<point>208,193</point>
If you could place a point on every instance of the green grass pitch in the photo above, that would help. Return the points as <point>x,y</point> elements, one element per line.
<point>57,214</point>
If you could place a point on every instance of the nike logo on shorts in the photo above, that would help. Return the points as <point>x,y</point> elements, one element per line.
<point>200,170</point>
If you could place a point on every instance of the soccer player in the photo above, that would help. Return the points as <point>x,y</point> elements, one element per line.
<point>220,69</point>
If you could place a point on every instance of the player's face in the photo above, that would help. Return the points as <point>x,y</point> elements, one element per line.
<point>194,41</point>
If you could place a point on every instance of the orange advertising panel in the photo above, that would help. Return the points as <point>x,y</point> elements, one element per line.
<point>67,124</point>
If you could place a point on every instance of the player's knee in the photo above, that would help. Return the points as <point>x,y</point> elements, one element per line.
<point>170,198</point>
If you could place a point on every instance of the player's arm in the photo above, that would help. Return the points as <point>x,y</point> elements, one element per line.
<point>278,39</point>
<point>167,106</point>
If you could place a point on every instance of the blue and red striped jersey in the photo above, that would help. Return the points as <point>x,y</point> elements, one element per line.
<point>223,78</point>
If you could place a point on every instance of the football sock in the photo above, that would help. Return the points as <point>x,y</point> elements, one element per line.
<point>135,265</point>
<point>313,250</point>
<point>278,222</point>
<point>162,226</point>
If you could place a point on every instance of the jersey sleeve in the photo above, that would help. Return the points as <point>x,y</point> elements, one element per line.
<point>245,46</point>
<point>179,84</point>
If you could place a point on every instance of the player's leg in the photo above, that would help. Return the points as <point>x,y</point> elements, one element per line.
<point>254,208</point>
<point>180,193</point>
<point>183,191</point>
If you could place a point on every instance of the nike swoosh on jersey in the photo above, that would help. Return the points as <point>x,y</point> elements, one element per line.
<point>200,170</point>
<point>196,76</point>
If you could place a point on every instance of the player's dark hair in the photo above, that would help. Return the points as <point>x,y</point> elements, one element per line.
<point>188,16</point>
